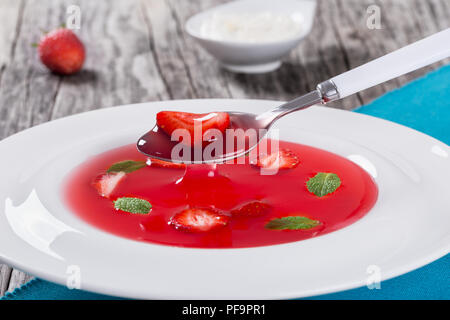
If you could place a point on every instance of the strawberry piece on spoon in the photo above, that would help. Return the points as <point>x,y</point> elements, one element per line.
<point>169,121</point>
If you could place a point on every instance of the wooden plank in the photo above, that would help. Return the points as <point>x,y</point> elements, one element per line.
<point>10,16</point>
<point>205,77</point>
<point>352,29</point>
<point>166,49</point>
<point>333,51</point>
<point>27,90</point>
<point>18,278</point>
<point>120,68</point>
<point>5,276</point>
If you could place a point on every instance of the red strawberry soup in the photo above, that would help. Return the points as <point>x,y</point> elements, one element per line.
<point>225,206</point>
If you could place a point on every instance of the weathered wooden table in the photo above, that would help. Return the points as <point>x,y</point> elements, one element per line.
<point>137,51</point>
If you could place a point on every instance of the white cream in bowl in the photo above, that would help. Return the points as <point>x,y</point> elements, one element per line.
<point>252,36</point>
<point>258,27</point>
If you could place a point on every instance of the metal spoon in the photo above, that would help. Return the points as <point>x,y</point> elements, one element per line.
<point>156,144</point>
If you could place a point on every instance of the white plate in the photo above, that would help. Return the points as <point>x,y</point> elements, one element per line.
<point>408,227</point>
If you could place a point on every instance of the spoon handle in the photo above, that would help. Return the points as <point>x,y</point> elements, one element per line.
<point>404,60</point>
<point>414,56</point>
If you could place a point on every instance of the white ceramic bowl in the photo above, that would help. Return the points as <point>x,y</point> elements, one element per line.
<point>250,57</point>
<point>408,227</point>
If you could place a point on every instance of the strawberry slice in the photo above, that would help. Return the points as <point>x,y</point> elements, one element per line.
<point>106,183</point>
<point>169,121</point>
<point>199,220</point>
<point>166,164</point>
<point>252,209</point>
<point>284,159</point>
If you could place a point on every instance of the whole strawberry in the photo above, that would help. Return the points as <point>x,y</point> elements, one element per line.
<point>61,51</point>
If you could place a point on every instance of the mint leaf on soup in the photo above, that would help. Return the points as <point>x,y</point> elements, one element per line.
<point>292,223</point>
<point>323,183</point>
<point>126,166</point>
<point>133,205</point>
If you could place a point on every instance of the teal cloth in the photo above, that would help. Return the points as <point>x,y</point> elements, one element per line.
<point>424,105</point>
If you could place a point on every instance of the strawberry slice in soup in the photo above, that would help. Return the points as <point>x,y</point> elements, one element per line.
<point>252,209</point>
<point>106,183</point>
<point>199,220</point>
<point>169,121</point>
<point>283,159</point>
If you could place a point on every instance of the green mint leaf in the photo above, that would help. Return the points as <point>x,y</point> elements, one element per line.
<point>323,183</point>
<point>292,223</point>
<point>133,205</point>
<point>126,166</point>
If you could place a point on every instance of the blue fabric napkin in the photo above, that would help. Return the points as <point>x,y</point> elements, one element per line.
<point>424,105</point>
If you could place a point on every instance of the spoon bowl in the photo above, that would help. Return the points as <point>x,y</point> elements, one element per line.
<point>157,144</point>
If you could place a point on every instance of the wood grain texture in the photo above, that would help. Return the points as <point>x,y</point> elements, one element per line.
<point>137,51</point>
